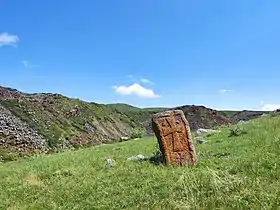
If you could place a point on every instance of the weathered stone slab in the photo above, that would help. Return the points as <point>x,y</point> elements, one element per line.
<point>174,137</point>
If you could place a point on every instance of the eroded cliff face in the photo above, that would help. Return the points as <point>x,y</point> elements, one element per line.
<point>198,117</point>
<point>31,122</point>
<point>203,117</point>
<point>18,136</point>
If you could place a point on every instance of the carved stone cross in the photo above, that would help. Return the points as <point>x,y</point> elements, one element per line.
<point>174,137</point>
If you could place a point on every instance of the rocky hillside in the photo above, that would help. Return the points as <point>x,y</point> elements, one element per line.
<point>198,116</point>
<point>31,123</point>
<point>57,122</point>
<point>203,117</point>
<point>247,115</point>
<point>16,133</point>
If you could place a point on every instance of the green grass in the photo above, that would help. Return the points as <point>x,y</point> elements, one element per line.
<point>240,172</point>
<point>228,113</point>
<point>54,122</point>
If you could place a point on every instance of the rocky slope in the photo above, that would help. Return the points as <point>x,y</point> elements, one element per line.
<point>51,122</point>
<point>247,115</point>
<point>58,121</point>
<point>203,117</point>
<point>199,117</point>
<point>16,134</point>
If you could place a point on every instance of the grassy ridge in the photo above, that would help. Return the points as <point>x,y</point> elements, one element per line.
<point>68,123</point>
<point>50,116</point>
<point>239,172</point>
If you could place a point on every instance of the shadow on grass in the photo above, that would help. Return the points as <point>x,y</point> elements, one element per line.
<point>156,159</point>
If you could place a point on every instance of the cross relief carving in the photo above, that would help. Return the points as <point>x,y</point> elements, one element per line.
<point>174,137</point>
<point>169,127</point>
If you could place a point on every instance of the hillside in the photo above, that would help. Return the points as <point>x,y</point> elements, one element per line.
<point>198,116</point>
<point>247,115</point>
<point>228,113</point>
<point>45,122</point>
<point>238,172</point>
<point>203,117</point>
<point>61,122</point>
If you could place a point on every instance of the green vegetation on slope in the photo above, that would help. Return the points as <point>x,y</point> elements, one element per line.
<point>126,107</point>
<point>138,114</point>
<point>123,107</point>
<point>228,113</point>
<point>66,123</point>
<point>239,172</point>
<point>63,120</point>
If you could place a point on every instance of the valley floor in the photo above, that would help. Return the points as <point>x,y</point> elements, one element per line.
<point>241,172</point>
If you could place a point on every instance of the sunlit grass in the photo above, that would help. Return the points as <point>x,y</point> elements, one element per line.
<point>233,173</point>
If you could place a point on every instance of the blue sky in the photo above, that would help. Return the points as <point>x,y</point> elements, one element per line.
<point>221,54</point>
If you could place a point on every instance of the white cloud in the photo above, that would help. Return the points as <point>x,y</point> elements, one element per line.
<point>147,81</point>
<point>28,64</point>
<point>8,39</point>
<point>224,91</point>
<point>270,107</point>
<point>25,63</point>
<point>137,90</point>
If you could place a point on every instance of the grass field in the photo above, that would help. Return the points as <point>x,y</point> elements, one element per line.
<point>240,172</point>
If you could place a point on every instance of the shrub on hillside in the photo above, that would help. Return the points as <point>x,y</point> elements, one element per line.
<point>157,157</point>
<point>275,113</point>
<point>136,134</point>
<point>6,155</point>
<point>236,132</point>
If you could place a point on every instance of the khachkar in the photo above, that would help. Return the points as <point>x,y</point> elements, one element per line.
<point>174,137</point>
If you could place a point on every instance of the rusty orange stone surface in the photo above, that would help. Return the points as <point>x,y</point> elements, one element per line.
<point>174,137</point>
